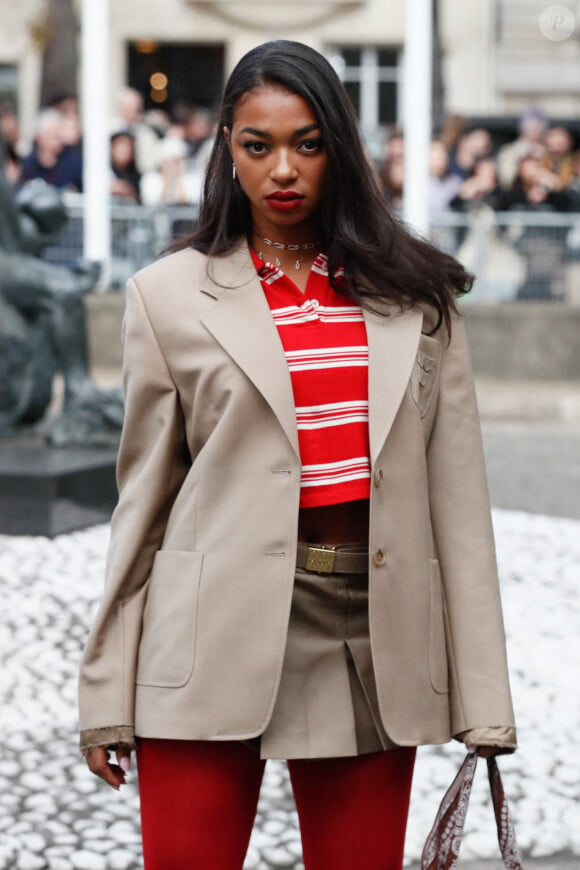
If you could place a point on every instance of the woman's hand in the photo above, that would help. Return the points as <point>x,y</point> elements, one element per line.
<point>489,751</point>
<point>113,774</point>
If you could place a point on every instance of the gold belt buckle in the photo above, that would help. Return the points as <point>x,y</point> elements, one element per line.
<point>321,559</point>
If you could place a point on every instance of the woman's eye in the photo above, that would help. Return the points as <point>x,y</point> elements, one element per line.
<point>255,147</point>
<point>311,145</point>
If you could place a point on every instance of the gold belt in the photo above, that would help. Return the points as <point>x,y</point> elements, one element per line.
<point>327,559</point>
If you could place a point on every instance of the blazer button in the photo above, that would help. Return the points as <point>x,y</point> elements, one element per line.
<point>379,557</point>
<point>378,478</point>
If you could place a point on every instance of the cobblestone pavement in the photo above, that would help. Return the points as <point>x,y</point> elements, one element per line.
<point>54,814</point>
<point>561,862</point>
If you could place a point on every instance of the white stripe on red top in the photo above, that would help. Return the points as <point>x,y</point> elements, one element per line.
<point>333,414</point>
<point>327,358</point>
<point>324,339</point>
<point>329,473</point>
<point>311,311</point>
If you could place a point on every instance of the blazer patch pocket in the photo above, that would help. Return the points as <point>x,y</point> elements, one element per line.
<point>424,376</point>
<point>167,646</point>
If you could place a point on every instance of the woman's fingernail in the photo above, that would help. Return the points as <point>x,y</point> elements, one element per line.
<point>125,763</point>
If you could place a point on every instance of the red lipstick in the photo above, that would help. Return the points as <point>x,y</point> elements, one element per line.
<point>284,200</point>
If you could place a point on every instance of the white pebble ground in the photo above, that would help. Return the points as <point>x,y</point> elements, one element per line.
<point>54,814</point>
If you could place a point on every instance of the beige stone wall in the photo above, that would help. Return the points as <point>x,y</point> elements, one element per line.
<point>497,60</point>
<point>242,25</point>
<point>482,77</point>
<point>238,24</point>
<point>469,56</point>
<point>19,46</point>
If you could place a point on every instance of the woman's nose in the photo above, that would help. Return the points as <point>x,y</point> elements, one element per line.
<point>283,169</point>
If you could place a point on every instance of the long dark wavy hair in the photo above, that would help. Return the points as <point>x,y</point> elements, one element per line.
<point>381,259</point>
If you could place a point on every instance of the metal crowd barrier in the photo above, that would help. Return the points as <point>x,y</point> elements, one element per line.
<point>515,255</point>
<point>139,234</point>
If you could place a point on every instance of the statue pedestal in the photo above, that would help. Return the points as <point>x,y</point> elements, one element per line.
<point>48,491</point>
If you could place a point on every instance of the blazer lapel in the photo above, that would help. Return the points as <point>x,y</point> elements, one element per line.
<point>393,341</point>
<point>242,323</point>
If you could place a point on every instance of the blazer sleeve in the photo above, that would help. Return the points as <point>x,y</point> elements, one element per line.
<point>152,463</point>
<point>461,516</point>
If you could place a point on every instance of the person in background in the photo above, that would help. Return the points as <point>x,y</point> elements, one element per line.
<point>10,137</point>
<point>443,184</point>
<point>125,182</point>
<point>51,159</point>
<point>536,187</point>
<point>301,563</point>
<point>159,120</point>
<point>392,179</point>
<point>65,103</point>
<point>530,143</point>
<point>391,170</point>
<point>471,147</point>
<point>173,182</point>
<point>559,157</point>
<point>131,120</point>
<point>481,188</point>
<point>395,147</point>
<point>198,129</point>
<point>68,106</point>
<point>452,128</point>
<point>71,131</point>
<point>574,186</point>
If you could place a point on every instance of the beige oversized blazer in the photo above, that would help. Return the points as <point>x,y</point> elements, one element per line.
<point>189,639</point>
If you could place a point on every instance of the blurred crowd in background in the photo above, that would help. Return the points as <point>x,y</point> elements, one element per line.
<point>160,159</point>
<point>540,169</point>
<point>155,158</point>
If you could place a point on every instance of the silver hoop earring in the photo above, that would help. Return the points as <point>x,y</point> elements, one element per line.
<point>234,171</point>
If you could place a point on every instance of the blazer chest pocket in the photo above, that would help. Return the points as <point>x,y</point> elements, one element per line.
<point>167,646</point>
<point>425,374</point>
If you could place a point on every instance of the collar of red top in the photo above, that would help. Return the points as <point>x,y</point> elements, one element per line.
<point>269,272</point>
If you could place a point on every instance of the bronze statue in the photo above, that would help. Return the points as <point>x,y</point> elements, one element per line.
<point>43,329</point>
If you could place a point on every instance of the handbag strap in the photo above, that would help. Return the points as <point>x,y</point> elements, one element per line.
<point>506,834</point>
<point>441,850</point>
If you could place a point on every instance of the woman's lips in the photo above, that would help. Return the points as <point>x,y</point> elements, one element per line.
<point>284,200</point>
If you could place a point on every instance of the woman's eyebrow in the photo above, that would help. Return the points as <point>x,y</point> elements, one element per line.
<point>307,129</point>
<point>255,132</point>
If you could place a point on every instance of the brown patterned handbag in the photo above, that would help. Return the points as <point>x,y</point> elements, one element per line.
<point>441,849</point>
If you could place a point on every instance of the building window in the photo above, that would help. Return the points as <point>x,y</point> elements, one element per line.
<point>371,76</point>
<point>169,74</point>
<point>8,84</point>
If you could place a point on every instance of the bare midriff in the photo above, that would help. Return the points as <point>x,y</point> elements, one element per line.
<point>345,523</point>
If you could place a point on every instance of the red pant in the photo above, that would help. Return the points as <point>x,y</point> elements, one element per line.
<point>199,799</point>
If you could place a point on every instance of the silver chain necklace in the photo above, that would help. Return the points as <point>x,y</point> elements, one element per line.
<point>307,246</point>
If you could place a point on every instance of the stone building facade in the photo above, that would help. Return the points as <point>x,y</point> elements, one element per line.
<point>499,56</point>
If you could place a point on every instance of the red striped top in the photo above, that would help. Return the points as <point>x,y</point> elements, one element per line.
<point>324,338</point>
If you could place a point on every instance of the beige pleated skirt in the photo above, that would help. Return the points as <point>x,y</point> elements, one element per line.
<point>327,701</point>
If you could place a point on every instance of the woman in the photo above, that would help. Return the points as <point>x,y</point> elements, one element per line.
<point>301,562</point>
<point>536,187</point>
<point>125,179</point>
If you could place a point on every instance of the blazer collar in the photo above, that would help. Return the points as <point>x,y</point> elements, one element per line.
<point>242,323</point>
